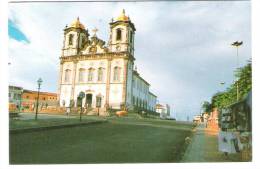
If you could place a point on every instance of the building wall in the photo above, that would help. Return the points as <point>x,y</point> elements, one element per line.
<point>152,102</point>
<point>43,96</point>
<point>65,95</point>
<point>140,92</point>
<point>123,42</point>
<point>15,95</point>
<point>94,87</point>
<point>136,92</point>
<point>129,100</point>
<point>70,49</point>
<point>29,99</point>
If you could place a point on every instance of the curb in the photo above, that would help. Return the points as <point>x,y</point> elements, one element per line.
<point>25,130</point>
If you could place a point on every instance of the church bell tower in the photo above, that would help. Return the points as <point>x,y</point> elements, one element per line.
<point>122,32</point>
<point>75,37</point>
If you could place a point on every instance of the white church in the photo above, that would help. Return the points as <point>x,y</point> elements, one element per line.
<point>104,72</point>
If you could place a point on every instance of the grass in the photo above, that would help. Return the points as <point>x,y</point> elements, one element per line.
<point>121,140</point>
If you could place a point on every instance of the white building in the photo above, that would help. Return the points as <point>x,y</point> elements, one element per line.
<point>163,110</point>
<point>104,72</point>
<point>15,95</point>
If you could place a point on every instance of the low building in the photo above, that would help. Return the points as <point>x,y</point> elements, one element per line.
<point>197,119</point>
<point>46,99</point>
<point>163,110</point>
<point>142,97</point>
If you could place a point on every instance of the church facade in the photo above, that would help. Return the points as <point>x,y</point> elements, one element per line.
<point>104,73</point>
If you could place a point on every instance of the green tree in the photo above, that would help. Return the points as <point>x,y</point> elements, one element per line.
<point>206,107</point>
<point>229,96</point>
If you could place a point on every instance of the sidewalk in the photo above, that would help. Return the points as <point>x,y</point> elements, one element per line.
<point>204,148</point>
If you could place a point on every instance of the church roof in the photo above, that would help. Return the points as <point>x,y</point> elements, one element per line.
<point>77,24</point>
<point>123,17</point>
<point>35,92</point>
<point>138,75</point>
<point>152,94</point>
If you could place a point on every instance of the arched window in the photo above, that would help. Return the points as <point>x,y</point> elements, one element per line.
<point>100,74</point>
<point>82,75</point>
<point>117,73</point>
<point>67,75</point>
<point>90,74</point>
<point>118,34</point>
<point>71,39</point>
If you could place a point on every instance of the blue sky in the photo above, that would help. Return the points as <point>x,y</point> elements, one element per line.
<point>15,33</point>
<point>182,48</point>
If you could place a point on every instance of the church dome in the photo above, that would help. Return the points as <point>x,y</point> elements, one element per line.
<point>77,24</point>
<point>123,17</point>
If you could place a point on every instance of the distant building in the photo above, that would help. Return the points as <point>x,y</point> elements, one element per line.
<point>20,98</point>
<point>164,110</point>
<point>15,96</point>
<point>197,119</point>
<point>168,110</point>
<point>46,99</point>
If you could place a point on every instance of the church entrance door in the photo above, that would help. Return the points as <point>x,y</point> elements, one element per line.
<point>89,100</point>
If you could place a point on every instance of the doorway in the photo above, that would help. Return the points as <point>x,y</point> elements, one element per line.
<point>98,101</point>
<point>88,100</point>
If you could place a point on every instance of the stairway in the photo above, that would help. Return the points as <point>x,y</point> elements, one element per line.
<point>96,112</point>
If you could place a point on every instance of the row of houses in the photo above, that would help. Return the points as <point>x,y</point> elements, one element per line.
<point>20,98</point>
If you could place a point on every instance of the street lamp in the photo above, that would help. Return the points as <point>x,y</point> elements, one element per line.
<point>237,45</point>
<point>39,82</point>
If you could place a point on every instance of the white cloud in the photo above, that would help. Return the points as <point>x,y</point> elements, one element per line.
<point>183,47</point>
